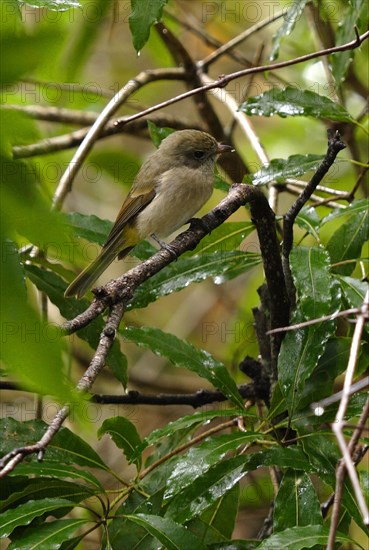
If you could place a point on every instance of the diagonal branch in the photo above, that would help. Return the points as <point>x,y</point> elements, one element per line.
<point>335,145</point>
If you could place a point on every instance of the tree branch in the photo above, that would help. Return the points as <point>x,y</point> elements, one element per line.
<point>335,145</point>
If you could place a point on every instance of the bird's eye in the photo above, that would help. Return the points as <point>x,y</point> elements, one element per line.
<point>199,154</point>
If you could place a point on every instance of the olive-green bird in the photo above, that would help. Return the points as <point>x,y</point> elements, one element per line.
<point>171,186</point>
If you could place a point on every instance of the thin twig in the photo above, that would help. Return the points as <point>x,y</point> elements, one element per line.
<point>113,127</point>
<point>9,461</point>
<point>226,79</point>
<point>146,76</point>
<point>225,48</point>
<point>337,428</point>
<point>321,405</point>
<point>362,310</point>
<point>228,100</point>
<point>122,288</point>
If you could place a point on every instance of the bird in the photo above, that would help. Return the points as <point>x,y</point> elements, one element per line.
<point>169,189</point>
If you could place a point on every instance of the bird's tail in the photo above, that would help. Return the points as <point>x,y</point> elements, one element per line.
<point>84,281</point>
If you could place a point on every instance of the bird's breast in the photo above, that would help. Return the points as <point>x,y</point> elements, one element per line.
<point>180,193</point>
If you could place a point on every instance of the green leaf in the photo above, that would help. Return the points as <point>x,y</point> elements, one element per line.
<point>295,102</point>
<point>50,283</point>
<point>278,170</point>
<point>206,490</point>
<point>91,228</point>
<point>158,133</point>
<point>53,5</point>
<point>20,54</point>
<point>185,422</point>
<point>353,290</point>
<point>332,363</point>
<point>311,273</point>
<point>300,352</point>
<point>49,535</point>
<point>144,14</point>
<point>218,521</point>
<point>183,354</point>
<point>27,512</point>
<point>346,243</point>
<point>172,535</point>
<point>297,538</point>
<point>57,470</point>
<point>355,208</point>
<point>65,447</point>
<point>199,459</point>
<point>30,345</point>
<point>221,477</point>
<point>340,61</point>
<point>309,221</point>
<point>297,503</point>
<point>124,435</point>
<point>46,488</point>
<point>318,295</point>
<point>222,266</point>
<point>227,236</point>
<point>323,456</point>
<point>291,17</point>
<point>123,532</point>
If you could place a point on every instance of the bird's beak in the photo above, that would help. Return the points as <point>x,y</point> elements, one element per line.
<point>224,149</point>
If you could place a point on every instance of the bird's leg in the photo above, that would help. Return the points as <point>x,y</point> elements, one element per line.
<point>169,248</point>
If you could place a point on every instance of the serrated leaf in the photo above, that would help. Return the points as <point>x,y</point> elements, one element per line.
<point>353,290</point>
<point>300,352</point>
<point>340,61</point>
<point>311,273</point>
<point>57,470</point>
<point>50,283</point>
<point>222,266</point>
<point>124,435</point>
<point>185,422</point>
<point>347,241</point>
<point>199,459</point>
<point>27,512</point>
<point>353,209</point>
<point>295,102</point>
<point>218,521</point>
<point>297,538</point>
<point>278,170</point>
<point>65,446</point>
<point>220,478</point>
<point>206,489</point>
<point>91,228</point>
<point>227,236</point>
<point>143,15</point>
<point>323,456</point>
<point>332,363</point>
<point>50,535</point>
<point>309,221</point>
<point>171,534</point>
<point>183,354</point>
<point>46,488</point>
<point>291,17</point>
<point>296,503</point>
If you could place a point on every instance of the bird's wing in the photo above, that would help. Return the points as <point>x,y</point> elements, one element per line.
<point>133,204</point>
